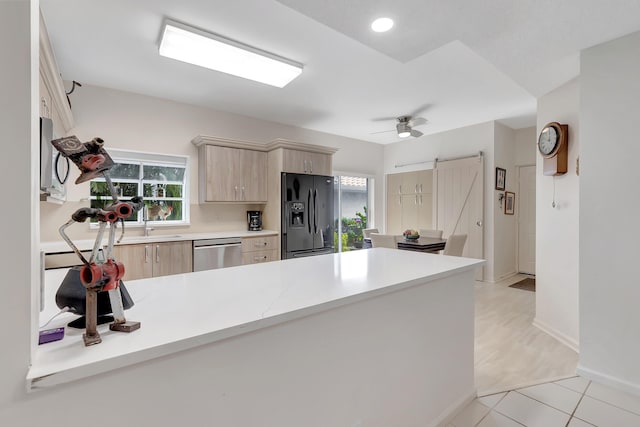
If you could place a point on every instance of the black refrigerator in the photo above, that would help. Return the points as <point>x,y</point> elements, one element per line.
<point>307,215</point>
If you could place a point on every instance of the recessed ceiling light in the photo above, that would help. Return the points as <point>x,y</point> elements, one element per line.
<point>215,52</point>
<point>381,25</point>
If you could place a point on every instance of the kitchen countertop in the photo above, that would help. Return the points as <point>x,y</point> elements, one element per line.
<point>184,311</point>
<point>131,238</point>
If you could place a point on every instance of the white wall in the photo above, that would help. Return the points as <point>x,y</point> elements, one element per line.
<point>557,227</point>
<point>526,148</point>
<point>609,206</point>
<point>18,162</point>
<point>504,226</point>
<point>459,142</point>
<point>136,122</point>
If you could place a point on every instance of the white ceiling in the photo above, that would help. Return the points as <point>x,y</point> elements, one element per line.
<point>454,62</point>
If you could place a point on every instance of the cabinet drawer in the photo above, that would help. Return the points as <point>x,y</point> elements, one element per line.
<point>251,244</point>
<point>256,257</point>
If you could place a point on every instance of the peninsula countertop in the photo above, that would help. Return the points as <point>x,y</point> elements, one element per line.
<point>184,311</point>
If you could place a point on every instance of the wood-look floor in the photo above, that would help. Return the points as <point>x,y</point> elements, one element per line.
<point>509,351</point>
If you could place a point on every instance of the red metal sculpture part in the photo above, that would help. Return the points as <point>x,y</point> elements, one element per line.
<point>99,275</point>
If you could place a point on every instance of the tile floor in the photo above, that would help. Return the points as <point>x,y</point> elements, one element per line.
<point>572,402</point>
<point>509,351</point>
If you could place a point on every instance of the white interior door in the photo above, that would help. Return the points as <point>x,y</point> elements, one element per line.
<point>527,220</point>
<point>459,205</point>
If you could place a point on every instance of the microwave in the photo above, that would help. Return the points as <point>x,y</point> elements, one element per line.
<point>54,168</point>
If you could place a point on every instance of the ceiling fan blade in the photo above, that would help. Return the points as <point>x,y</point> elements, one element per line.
<point>416,133</point>
<point>384,119</point>
<point>418,121</point>
<point>383,131</point>
<point>420,110</point>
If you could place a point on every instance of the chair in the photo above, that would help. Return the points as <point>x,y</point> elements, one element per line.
<point>436,234</point>
<point>383,241</point>
<point>455,245</point>
<point>366,232</point>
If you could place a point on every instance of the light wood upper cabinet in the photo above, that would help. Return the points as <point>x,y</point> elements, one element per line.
<point>233,175</point>
<point>298,161</point>
<point>254,176</point>
<point>146,260</point>
<point>394,184</point>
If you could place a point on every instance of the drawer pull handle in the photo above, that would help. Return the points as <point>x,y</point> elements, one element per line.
<point>260,258</point>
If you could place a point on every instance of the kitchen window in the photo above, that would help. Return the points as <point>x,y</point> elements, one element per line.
<point>162,181</point>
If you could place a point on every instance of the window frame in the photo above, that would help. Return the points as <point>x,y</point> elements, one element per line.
<point>152,159</point>
<point>370,200</point>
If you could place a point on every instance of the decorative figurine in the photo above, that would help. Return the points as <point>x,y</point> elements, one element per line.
<point>98,275</point>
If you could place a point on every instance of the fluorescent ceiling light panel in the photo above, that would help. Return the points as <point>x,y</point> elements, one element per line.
<point>212,51</point>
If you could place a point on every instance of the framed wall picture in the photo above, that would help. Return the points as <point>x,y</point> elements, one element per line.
<point>509,202</point>
<point>501,178</point>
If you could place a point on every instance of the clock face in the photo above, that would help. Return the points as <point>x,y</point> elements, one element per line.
<point>548,140</point>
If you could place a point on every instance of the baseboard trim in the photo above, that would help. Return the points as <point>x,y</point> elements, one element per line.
<point>564,339</point>
<point>609,380</point>
<point>496,390</point>
<point>454,409</point>
<point>501,278</point>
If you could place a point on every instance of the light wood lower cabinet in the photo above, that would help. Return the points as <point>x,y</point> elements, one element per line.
<point>155,259</point>
<point>259,249</point>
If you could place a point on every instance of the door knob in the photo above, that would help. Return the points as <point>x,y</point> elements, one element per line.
<point>479,223</point>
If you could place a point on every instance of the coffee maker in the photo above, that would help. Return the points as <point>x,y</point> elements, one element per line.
<point>254,220</point>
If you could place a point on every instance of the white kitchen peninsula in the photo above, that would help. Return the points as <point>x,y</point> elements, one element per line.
<point>378,337</point>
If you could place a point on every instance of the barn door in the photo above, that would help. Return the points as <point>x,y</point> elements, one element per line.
<point>459,206</point>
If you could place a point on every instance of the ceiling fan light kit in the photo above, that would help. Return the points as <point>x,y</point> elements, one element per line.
<point>188,44</point>
<point>382,25</point>
<point>404,130</point>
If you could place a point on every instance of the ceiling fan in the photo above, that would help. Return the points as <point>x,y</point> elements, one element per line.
<point>405,125</point>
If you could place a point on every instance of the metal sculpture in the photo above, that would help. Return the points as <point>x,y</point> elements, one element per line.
<point>98,275</point>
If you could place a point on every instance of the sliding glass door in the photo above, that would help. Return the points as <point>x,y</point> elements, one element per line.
<point>351,206</point>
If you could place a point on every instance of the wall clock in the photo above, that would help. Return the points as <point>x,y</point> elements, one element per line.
<point>553,144</point>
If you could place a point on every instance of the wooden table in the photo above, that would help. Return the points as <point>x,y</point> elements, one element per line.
<point>423,244</point>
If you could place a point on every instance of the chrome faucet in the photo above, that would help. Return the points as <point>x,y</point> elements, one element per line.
<point>145,219</point>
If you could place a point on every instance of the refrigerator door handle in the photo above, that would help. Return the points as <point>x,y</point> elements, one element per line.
<point>315,211</point>
<point>309,211</point>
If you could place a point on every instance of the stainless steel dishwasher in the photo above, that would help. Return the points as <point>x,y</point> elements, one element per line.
<point>216,253</point>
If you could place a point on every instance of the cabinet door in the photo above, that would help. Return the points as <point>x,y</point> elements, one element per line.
<point>137,260</point>
<point>172,258</point>
<point>254,176</point>
<point>425,181</point>
<point>222,178</point>
<point>410,183</point>
<point>394,184</point>
<point>425,211</point>
<point>297,161</point>
<point>410,205</point>
<point>425,199</point>
<point>394,214</point>
<point>294,161</point>
<point>319,164</point>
